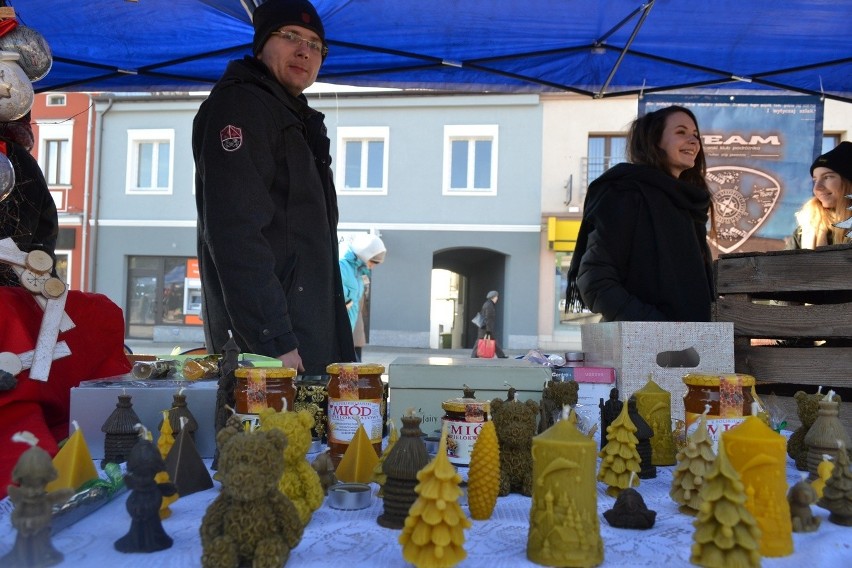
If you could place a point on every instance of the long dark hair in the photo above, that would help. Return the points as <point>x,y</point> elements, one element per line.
<point>643,147</point>
<point>643,144</point>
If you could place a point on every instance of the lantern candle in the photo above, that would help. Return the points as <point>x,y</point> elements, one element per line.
<point>759,455</point>
<point>564,526</point>
<point>655,407</point>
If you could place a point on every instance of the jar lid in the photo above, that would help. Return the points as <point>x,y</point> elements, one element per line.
<point>266,372</point>
<point>464,404</point>
<point>715,379</point>
<point>360,368</point>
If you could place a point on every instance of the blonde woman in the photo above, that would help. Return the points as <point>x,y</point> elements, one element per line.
<point>832,175</point>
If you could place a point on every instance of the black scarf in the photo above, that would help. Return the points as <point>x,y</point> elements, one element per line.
<point>661,192</point>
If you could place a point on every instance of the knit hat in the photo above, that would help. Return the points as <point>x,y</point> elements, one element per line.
<point>838,160</point>
<point>274,14</point>
<point>491,294</point>
<point>368,247</point>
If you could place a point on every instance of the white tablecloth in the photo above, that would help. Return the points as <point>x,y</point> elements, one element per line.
<point>353,538</point>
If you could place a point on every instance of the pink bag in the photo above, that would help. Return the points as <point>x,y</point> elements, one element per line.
<point>486,347</point>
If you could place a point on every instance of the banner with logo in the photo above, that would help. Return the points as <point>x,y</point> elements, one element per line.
<point>759,150</point>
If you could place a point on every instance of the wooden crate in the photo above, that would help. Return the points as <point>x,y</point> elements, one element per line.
<point>788,295</point>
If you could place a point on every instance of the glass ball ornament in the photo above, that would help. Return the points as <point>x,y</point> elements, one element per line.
<point>16,91</point>
<point>7,177</point>
<point>36,58</point>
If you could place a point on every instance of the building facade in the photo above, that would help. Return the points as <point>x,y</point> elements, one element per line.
<point>470,192</point>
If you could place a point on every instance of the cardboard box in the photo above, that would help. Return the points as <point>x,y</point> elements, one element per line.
<point>92,402</point>
<point>665,350</point>
<point>423,383</point>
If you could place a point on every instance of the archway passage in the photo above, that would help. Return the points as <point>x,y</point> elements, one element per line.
<point>473,272</point>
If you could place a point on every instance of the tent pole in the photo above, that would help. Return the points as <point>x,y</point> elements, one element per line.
<point>646,9</point>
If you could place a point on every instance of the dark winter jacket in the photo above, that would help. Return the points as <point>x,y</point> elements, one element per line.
<point>28,213</point>
<point>642,252</point>
<point>267,222</point>
<point>489,318</point>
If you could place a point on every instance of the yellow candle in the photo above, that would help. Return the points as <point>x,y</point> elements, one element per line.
<point>564,527</point>
<point>655,406</point>
<point>73,463</point>
<point>359,460</point>
<point>759,454</point>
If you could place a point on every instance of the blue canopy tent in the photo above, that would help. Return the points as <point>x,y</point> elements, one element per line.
<point>600,48</point>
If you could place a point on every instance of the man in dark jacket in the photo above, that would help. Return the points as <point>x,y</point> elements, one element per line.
<point>267,208</point>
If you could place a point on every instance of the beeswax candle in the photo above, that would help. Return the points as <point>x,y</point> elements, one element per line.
<point>73,463</point>
<point>359,459</point>
<point>759,455</point>
<point>564,526</point>
<point>655,407</point>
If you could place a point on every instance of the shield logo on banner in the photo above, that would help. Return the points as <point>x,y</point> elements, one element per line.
<point>742,200</point>
<point>232,138</point>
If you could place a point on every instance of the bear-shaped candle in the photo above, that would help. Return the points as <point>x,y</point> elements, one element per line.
<point>564,526</point>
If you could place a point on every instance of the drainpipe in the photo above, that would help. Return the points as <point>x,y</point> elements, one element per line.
<point>87,190</point>
<point>96,196</point>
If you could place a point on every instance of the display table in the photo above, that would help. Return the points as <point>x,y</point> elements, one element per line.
<point>354,537</point>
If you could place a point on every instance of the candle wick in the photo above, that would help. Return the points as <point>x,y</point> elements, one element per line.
<point>706,409</point>
<point>25,438</point>
<point>75,424</point>
<point>819,390</point>
<point>180,392</point>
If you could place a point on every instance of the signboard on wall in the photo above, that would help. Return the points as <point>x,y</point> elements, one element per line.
<point>759,150</point>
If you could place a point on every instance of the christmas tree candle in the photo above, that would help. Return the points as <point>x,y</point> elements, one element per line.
<point>73,463</point>
<point>433,535</point>
<point>619,457</point>
<point>655,406</point>
<point>759,456</point>
<point>564,526</point>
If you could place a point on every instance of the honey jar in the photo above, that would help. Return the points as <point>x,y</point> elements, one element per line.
<point>464,418</point>
<point>355,397</point>
<point>261,387</point>
<point>728,396</point>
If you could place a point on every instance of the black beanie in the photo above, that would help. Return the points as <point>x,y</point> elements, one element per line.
<point>274,14</point>
<point>838,160</point>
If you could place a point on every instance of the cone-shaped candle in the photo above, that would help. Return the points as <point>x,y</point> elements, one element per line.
<point>433,535</point>
<point>358,460</point>
<point>186,468</point>
<point>73,462</point>
<point>484,473</point>
<point>564,525</point>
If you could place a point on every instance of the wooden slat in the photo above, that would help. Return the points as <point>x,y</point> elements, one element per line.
<point>773,321</point>
<point>827,366</point>
<point>823,269</point>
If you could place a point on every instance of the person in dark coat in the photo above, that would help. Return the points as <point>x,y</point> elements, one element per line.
<point>489,323</point>
<point>267,207</point>
<point>642,252</point>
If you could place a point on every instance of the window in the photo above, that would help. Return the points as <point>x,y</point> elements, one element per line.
<point>57,162</point>
<point>362,159</point>
<point>161,291</point>
<point>54,152</point>
<point>150,154</point>
<point>604,152</point>
<point>829,142</point>
<point>55,100</point>
<point>470,159</point>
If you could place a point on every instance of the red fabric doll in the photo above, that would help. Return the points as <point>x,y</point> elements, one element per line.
<point>97,350</point>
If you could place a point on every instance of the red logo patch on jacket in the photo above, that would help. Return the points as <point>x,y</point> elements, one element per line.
<point>232,138</point>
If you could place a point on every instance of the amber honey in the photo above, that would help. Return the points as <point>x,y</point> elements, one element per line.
<point>728,396</point>
<point>258,388</point>
<point>354,397</point>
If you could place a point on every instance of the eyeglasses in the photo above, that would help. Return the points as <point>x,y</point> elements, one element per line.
<point>294,38</point>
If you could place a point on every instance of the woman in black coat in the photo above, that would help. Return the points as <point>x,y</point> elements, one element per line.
<point>489,323</point>
<point>642,252</point>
